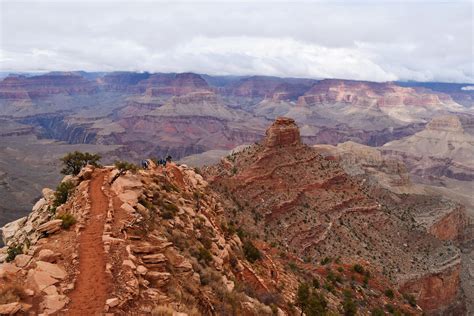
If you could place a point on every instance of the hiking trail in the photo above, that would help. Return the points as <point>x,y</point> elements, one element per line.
<point>90,292</point>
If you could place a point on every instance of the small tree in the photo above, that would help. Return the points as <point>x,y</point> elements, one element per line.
<point>75,161</point>
<point>251,252</point>
<point>302,297</point>
<point>62,192</point>
<point>310,301</point>
<point>123,167</point>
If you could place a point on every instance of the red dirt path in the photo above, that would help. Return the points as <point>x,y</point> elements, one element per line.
<point>90,292</point>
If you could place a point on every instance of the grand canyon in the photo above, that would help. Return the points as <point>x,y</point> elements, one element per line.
<point>357,192</point>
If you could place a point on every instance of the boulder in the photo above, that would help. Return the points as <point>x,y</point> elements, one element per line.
<point>112,302</point>
<point>47,255</point>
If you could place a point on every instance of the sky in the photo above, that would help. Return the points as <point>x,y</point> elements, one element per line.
<point>373,40</point>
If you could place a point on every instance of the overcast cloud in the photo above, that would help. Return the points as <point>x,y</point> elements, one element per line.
<point>369,40</point>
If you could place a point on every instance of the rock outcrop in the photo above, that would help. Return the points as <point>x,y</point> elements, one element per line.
<point>283,132</point>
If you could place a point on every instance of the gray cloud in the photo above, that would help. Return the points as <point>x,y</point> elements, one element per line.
<point>368,40</point>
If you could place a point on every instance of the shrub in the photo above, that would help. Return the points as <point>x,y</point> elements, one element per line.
<point>68,220</point>
<point>167,215</point>
<point>12,252</point>
<point>389,293</point>
<point>204,255</point>
<point>11,292</point>
<point>316,283</point>
<point>62,193</point>
<point>348,305</point>
<point>309,301</point>
<point>358,268</point>
<point>251,252</point>
<point>326,260</point>
<point>377,312</point>
<point>123,167</point>
<point>410,299</point>
<point>75,161</point>
<point>163,310</point>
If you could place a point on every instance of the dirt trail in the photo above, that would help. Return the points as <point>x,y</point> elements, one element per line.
<point>90,292</point>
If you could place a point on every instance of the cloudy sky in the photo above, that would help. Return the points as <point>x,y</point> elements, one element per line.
<point>371,40</point>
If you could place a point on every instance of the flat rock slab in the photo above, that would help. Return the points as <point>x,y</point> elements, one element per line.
<point>52,269</point>
<point>40,279</point>
<point>10,309</point>
<point>53,303</point>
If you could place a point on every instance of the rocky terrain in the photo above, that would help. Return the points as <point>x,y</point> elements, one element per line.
<point>240,240</point>
<point>308,205</point>
<point>158,242</point>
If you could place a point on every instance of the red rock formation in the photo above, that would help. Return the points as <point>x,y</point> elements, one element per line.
<point>178,84</point>
<point>283,132</point>
<point>366,94</point>
<point>436,292</point>
<point>451,226</point>
<point>44,85</point>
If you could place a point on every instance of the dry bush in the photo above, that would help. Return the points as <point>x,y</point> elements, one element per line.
<point>163,310</point>
<point>10,292</point>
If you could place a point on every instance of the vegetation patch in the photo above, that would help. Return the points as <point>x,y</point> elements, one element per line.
<point>68,220</point>
<point>63,190</point>
<point>251,252</point>
<point>75,161</point>
<point>12,252</point>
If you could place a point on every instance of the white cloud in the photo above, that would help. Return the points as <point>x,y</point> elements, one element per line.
<point>370,40</point>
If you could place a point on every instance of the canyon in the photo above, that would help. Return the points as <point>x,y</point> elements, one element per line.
<point>311,168</point>
<point>239,237</point>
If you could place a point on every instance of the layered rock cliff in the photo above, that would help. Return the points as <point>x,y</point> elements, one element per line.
<point>303,203</point>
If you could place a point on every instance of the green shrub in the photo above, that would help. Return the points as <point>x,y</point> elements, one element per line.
<point>377,312</point>
<point>167,214</point>
<point>251,252</point>
<point>389,293</point>
<point>12,252</point>
<point>123,167</point>
<point>75,161</point>
<point>410,299</point>
<point>358,268</point>
<point>204,255</point>
<point>68,220</point>
<point>326,261</point>
<point>62,193</point>
<point>309,301</point>
<point>348,305</point>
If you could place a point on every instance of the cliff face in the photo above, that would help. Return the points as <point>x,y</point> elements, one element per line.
<point>451,226</point>
<point>370,94</point>
<point>438,291</point>
<point>292,196</point>
<point>44,85</point>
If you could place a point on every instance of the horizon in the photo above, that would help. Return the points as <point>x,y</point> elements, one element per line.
<point>5,74</point>
<point>378,41</point>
